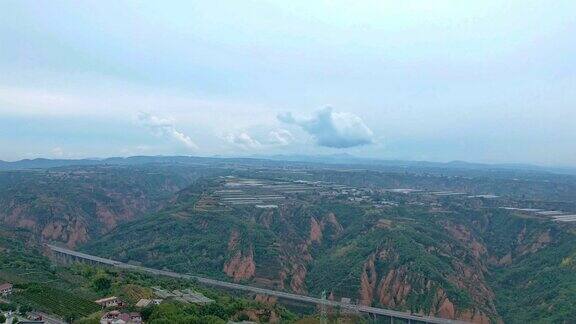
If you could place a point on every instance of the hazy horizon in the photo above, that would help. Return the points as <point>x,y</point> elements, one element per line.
<point>488,82</point>
<point>335,158</point>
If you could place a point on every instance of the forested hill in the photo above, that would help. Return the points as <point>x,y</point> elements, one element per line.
<point>69,291</point>
<point>477,245</point>
<point>75,204</point>
<point>449,256</point>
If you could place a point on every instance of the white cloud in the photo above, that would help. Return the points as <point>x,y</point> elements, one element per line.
<point>165,127</point>
<point>281,137</point>
<point>259,139</point>
<point>243,140</point>
<point>333,129</point>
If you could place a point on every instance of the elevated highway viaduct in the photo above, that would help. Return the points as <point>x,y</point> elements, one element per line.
<point>378,314</point>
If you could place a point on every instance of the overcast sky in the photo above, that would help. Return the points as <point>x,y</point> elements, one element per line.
<point>482,81</point>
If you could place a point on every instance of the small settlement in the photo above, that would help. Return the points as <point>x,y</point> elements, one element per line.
<point>116,316</point>
<point>6,289</point>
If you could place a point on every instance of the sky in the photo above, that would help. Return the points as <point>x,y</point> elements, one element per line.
<point>479,81</point>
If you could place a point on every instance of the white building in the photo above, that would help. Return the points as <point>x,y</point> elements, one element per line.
<point>109,302</point>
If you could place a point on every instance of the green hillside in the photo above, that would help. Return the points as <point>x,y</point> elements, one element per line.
<point>448,261</point>
<point>415,242</point>
<point>69,291</point>
<point>75,204</point>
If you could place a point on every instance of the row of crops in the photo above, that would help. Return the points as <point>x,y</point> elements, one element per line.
<point>53,300</point>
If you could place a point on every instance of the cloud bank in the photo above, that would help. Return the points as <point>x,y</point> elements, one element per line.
<point>333,129</point>
<point>269,139</point>
<point>243,140</point>
<point>165,127</point>
<point>280,137</point>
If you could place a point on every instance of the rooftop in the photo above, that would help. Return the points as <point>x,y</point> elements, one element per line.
<point>6,285</point>
<point>103,300</point>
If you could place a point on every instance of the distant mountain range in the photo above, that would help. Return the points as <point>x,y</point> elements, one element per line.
<point>351,159</point>
<point>332,159</point>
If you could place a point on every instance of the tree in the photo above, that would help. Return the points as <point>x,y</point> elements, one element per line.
<point>211,319</point>
<point>214,310</point>
<point>7,307</point>
<point>102,282</point>
<point>147,312</point>
<point>243,317</point>
<point>25,309</point>
<point>70,317</point>
<point>2,318</point>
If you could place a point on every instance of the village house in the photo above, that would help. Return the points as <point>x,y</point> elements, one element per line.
<point>116,317</point>
<point>6,289</point>
<point>112,301</point>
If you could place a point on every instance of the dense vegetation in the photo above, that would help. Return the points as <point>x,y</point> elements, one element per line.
<point>184,240</point>
<point>70,291</point>
<point>538,286</point>
<point>39,284</point>
<point>74,204</point>
<point>452,256</point>
<point>50,299</point>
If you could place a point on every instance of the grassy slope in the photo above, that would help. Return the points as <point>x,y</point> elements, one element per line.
<point>185,240</point>
<point>190,241</point>
<point>407,240</point>
<point>539,286</point>
<point>39,284</point>
<point>74,204</point>
<point>69,291</point>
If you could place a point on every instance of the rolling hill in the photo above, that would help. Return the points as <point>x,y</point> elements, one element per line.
<point>75,204</point>
<point>453,260</point>
<point>436,242</point>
